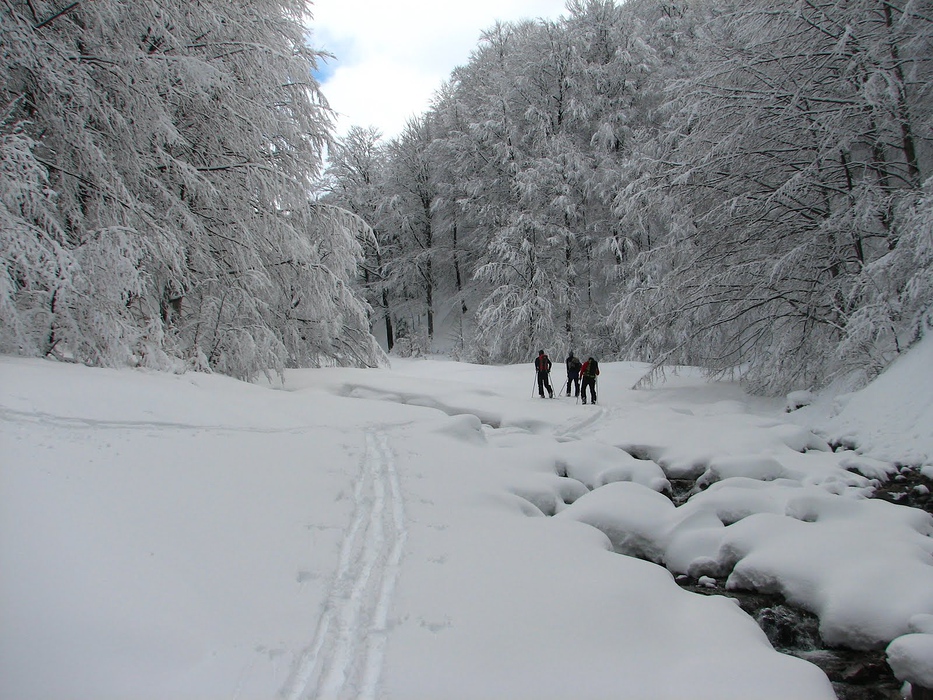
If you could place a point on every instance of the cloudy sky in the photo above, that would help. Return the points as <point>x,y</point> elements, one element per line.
<point>392,56</point>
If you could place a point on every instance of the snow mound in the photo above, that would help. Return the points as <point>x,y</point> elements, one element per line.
<point>760,467</point>
<point>633,517</point>
<point>861,602</point>
<point>862,566</point>
<point>911,659</point>
<point>596,465</point>
<point>869,467</point>
<point>798,399</point>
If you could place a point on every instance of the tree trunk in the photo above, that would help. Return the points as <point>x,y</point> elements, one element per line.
<point>908,145</point>
<point>390,338</point>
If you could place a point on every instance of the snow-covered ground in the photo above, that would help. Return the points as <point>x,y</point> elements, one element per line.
<point>437,531</point>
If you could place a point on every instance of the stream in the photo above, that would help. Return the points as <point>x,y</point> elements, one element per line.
<point>855,675</point>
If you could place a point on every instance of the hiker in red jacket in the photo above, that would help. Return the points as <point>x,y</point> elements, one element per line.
<point>543,368</point>
<point>589,372</point>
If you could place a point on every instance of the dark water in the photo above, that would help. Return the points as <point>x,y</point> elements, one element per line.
<point>855,675</point>
<point>908,488</point>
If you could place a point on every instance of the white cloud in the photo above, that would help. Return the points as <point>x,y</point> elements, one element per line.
<point>392,56</point>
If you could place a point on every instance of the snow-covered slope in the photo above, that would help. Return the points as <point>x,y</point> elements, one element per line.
<point>891,418</point>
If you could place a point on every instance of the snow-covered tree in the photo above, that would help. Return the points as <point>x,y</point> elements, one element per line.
<point>356,177</point>
<point>522,266</point>
<point>176,144</point>
<point>795,148</point>
<point>458,237</point>
<point>411,271</point>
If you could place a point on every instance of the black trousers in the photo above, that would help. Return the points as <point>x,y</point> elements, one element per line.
<point>575,382</point>
<point>544,382</point>
<point>591,383</point>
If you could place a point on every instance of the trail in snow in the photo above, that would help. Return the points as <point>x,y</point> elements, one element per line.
<point>574,426</point>
<point>344,659</point>
<point>76,422</point>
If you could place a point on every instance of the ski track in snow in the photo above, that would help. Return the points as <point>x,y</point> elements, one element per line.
<point>344,659</point>
<point>594,414</point>
<point>48,419</point>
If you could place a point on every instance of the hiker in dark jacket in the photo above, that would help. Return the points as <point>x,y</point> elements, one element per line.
<point>589,372</point>
<point>573,373</point>
<point>543,368</point>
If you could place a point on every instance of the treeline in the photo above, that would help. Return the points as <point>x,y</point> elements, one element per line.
<point>156,165</point>
<point>736,185</point>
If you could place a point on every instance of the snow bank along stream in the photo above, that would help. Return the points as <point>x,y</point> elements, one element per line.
<point>808,533</point>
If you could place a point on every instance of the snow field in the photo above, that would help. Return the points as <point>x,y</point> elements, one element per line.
<point>383,533</point>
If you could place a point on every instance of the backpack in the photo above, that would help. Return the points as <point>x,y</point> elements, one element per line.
<point>574,365</point>
<point>592,368</point>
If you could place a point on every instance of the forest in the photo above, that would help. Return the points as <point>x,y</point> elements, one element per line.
<point>157,167</point>
<point>739,186</point>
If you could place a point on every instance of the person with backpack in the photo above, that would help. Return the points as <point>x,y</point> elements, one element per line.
<point>573,373</point>
<point>589,372</point>
<point>543,369</point>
